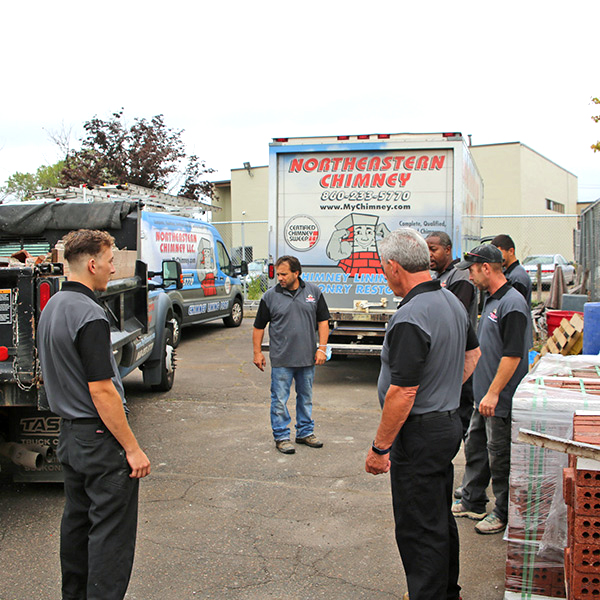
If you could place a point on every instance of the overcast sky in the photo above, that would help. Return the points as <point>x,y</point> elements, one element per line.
<point>234,75</point>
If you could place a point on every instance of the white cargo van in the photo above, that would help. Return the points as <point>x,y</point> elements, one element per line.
<point>211,288</point>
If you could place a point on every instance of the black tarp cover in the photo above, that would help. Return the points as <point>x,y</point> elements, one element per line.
<point>32,218</point>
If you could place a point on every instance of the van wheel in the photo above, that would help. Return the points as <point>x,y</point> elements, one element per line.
<point>167,364</point>
<point>176,323</point>
<point>236,316</point>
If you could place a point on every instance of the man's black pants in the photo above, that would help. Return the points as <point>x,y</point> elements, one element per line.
<point>422,477</point>
<point>99,522</point>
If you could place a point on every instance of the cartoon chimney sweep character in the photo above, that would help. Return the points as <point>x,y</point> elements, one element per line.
<point>206,266</point>
<point>354,244</point>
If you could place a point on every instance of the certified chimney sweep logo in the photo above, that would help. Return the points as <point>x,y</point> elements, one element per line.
<point>301,233</point>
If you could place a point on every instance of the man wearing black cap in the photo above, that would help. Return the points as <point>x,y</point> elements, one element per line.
<point>504,332</point>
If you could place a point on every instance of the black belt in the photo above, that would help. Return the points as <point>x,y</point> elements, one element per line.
<point>432,415</point>
<point>85,421</point>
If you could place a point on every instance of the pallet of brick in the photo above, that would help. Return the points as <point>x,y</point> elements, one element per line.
<point>539,577</point>
<point>581,492</point>
<point>545,401</point>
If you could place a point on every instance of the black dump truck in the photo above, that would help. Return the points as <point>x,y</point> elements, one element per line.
<point>32,269</point>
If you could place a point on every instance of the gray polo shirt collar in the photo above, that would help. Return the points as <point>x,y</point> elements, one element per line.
<point>75,286</point>
<point>501,291</point>
<point>450,267</point>
<point>512,267</point>
<point>280,290</point>
<point>421,288</point>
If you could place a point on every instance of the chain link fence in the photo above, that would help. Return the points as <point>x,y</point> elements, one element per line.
<point>249,241</point>
<point>589,249</point>
<point>246,240</point>
<point>535,234</point>
<point>532,234</point>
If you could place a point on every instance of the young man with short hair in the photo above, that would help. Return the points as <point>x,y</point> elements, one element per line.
<point>101,459</point>
<point>514,272</point>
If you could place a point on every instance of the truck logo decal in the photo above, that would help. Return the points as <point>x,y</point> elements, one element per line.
<point>354,244</point>
<point>36,425</point>
<point>301,233</point>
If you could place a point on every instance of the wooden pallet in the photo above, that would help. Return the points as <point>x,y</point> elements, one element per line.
<point>567,338</point>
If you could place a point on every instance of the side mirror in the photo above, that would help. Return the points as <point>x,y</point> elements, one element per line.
<point>244,268</point>
<point>171,273</point>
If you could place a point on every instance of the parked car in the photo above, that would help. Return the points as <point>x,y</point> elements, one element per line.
<point>549,263</point>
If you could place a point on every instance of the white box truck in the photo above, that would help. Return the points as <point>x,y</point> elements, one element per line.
<point>332,199</point>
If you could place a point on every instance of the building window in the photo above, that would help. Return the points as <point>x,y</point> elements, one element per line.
<point>555,206</point>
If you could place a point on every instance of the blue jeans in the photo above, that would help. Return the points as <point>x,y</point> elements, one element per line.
<point>281,383</point>
<point>487,451</point>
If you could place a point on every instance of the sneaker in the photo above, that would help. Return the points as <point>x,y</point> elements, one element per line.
<point>491,524</point>
<point>285,446</point>
<point>310,440</point>
<point>458,493</point>
<point>458,510</point>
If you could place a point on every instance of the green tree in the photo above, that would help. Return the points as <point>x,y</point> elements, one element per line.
<point>147,153</point>
<point>596,119</point>
<point>22,185</point>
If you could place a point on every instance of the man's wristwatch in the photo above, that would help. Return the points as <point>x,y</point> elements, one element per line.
<point>379,450</point>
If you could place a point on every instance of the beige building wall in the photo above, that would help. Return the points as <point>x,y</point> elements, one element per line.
<point>250,203</point>
<point>518,183</point>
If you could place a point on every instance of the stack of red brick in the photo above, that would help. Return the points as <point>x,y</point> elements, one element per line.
<point>581,489</point>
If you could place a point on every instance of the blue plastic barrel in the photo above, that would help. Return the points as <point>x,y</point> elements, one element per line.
<point>591,328</point>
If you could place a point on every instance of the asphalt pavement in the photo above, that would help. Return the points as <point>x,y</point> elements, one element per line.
<point>223,515</point>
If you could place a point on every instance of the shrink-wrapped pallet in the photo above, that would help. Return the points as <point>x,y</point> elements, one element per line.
<point>545,401</point>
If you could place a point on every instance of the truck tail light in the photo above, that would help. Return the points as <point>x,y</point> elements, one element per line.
<point>3,353</point>
<point>452,134</point>
<point>343,137</point>
<point>271,271</point>
<point>280,140</point>
<point>44,293</point>
<point>363,137</point>
<point>383,136</point>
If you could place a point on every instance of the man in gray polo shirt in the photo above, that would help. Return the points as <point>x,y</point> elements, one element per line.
<point>514,272</point>
<point>457,281</point>
<point>102,461</point>
<point>504,332</point>
<point>429,349</point>
<point>296,313</point>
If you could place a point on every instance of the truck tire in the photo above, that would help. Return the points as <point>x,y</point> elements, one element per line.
<point>167,364</point>
<point>176,323</point>
<point>237,314</point>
